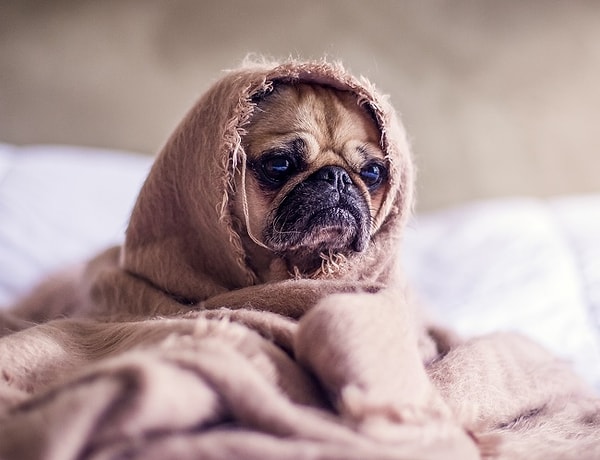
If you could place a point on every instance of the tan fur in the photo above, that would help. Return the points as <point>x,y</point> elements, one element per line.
<point>331,123</point>
<point>336,131</point>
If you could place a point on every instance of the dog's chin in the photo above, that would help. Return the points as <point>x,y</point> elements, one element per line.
<point>335,230</point>
<point>338,229</point>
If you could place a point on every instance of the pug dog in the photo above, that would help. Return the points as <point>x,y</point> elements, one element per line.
<point>316,177</point>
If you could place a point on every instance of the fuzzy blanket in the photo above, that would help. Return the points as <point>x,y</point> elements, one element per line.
<point>143,352</point>
<point>252,384</point>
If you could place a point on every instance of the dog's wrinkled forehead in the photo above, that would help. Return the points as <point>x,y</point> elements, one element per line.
<point>318,122</point>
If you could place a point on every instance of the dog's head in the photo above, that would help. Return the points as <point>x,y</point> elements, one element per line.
<point>275,167</point>
<point>316,174</point>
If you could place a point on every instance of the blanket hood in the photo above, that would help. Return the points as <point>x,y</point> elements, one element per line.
<point>181,239</point>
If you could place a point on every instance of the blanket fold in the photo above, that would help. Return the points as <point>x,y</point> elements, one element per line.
<point>193,380</point>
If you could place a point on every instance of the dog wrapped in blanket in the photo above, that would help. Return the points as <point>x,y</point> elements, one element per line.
<point>257,309</point>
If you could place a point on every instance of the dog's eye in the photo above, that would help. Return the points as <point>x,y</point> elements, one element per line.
<point>373,175</point>
<point>277,169</point>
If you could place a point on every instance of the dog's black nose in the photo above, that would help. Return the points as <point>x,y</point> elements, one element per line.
<point>335,175</point>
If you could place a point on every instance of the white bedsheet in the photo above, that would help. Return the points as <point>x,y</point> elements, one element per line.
<point>517,264</point>
<point>59,205</point>
<point>524,265</point>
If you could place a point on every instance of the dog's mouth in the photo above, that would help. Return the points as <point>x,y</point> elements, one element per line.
<point>319,223</point>
<point>334,229</point>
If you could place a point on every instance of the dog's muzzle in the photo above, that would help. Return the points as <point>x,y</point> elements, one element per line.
<point>325,212</point>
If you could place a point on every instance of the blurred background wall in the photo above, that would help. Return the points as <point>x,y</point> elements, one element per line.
<point>499,97</point>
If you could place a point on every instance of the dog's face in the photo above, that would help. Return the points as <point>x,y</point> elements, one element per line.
<point>316,175</point>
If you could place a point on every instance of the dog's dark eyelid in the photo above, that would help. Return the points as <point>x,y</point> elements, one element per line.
<point>296,149</point>
<point>299,147</point>
<point>362,150</point>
